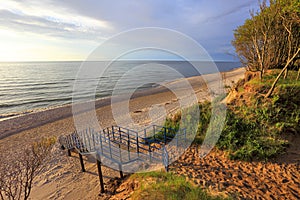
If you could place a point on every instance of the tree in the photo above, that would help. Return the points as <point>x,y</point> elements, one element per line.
<point>290,11</point>
<point>270,37</point>
<point>280,74</point>
<point>254,40</point>
<point>290,15</point>
<point>17,172</point>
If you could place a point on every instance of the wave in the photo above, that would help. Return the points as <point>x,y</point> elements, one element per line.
<point>25,86</point>
<point>6,105</point>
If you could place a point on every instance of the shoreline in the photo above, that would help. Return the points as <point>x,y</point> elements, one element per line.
<point>144,92</point>
<point>35,118</point>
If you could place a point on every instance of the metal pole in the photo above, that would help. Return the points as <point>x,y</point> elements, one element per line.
<point>89,139</point>
<point>81,163</point>
<point>165,135</point>
<point>100,176</point>
<point>121,172</point>
<point>69,152</point>
<point>113,132</point>
<point>120,136</point>
<point>109,148</point>
<point>100,138</point>
<point>128,144</point>
<point>137,145</point>
<point>149,152</point>
<point>108,135</point>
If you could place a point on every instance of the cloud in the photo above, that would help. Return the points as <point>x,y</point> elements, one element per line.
<point>209,22</point>
<point>39,20</point>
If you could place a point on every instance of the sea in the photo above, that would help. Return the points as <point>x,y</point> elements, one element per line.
<point>29,86</point>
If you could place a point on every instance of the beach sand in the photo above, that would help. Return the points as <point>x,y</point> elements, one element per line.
<point>62,179</point>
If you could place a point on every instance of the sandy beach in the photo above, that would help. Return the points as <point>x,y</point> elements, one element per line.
<point>140,102</point>
<point>62,179</point>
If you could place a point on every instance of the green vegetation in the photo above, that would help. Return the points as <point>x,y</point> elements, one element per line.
<point>255,126</point>
<point>271,37</point>
<point>167,186</point>
<point>187,119</point>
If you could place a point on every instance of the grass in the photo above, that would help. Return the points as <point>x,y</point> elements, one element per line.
<point>167,186</point>
<point>255,125</point>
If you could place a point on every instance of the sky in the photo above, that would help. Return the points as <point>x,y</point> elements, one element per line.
<point>56,30</point>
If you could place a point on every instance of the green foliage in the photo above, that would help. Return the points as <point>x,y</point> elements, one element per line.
<point>187,119</point>
<point>205,116</point>
<point>270,37</point>
<point>196,120</point>
<point>248,139</point>
<point>167,186</point>
<point>254,125</point>
<point>254,130</point>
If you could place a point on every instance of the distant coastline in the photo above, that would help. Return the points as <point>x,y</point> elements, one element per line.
<point>52,84</point>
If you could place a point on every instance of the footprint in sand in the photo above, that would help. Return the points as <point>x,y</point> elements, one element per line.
<point>137,111</point>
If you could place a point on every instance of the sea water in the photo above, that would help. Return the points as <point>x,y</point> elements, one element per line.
<point>34,85</point>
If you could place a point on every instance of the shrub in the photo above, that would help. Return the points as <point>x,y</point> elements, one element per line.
<point>18,170</point>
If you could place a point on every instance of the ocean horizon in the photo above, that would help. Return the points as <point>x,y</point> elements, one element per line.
<point>28,86</point>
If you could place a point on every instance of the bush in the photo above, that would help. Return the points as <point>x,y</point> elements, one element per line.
<point>17,172</point>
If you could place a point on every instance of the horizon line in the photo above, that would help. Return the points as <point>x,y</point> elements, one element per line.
<point>118,60</point>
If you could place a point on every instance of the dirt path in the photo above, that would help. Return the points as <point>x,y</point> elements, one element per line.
<point>242,180</point>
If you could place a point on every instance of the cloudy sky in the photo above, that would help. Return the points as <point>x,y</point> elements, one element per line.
<point>44,30</point>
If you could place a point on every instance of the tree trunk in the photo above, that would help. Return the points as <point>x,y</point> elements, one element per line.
<point>279,75</point>
<point>260,76</point>
<point>285,73</point>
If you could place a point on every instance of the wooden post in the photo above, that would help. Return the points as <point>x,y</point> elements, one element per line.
<point>81,163</point>
<point>100,176</point>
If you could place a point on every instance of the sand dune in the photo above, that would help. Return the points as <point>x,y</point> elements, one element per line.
<point>247,180</point>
